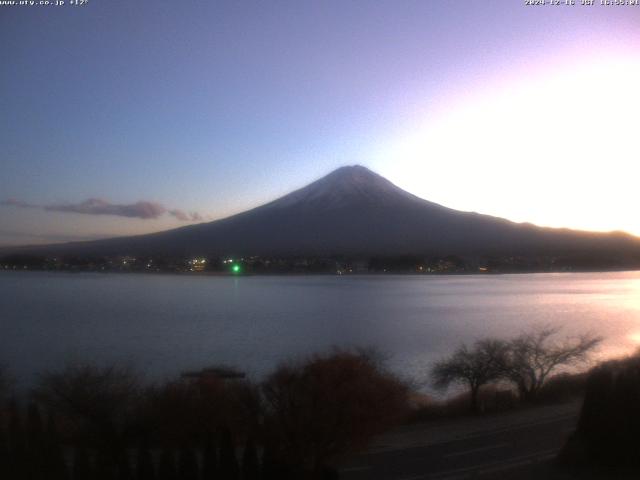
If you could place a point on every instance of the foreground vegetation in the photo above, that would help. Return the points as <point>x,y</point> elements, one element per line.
<point>104,423</point>
<point>526,362</point>
<point>606,438</point>
<point>87,422</point>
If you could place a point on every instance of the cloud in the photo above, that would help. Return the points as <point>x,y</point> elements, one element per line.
<point>13,237</point>
<point>186,217</point>
<point>196,217</point>
<point>12,202</point>
<point>97,206</point>
<point>179,214</point>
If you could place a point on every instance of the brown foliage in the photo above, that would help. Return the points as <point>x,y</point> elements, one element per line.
<point>331,405</point>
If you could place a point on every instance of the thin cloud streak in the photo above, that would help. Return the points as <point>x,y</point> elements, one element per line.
<point>96,206</point>
<point>12,202</point>
<point>186,217</point>
<point>48,238</point>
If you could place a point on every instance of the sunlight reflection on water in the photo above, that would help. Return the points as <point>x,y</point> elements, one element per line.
<point>165,324</point>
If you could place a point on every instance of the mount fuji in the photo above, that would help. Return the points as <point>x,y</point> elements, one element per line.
<point>354,211</point>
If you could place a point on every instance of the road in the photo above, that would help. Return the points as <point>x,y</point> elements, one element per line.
<point>488,449</point>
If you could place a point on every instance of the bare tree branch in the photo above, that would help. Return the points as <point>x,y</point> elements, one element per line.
<point>534,355</point>
<point>472,367</point>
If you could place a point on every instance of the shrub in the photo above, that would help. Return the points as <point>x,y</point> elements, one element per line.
<point>563,387</point>
<point>609,424</point>
<point>331,405</point>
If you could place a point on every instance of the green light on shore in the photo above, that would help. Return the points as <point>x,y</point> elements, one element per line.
<point>235,268</point>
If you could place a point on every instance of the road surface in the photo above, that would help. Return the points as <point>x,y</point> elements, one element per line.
<point>472,448</point>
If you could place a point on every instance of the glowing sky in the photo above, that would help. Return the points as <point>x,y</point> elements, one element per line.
<point>167,112</point>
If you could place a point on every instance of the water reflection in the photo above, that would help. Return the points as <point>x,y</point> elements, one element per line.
<point>170,323</point>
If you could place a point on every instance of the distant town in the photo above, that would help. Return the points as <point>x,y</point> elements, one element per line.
<point>336,265</point>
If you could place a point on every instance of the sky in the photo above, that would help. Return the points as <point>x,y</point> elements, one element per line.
<point>125,117</point>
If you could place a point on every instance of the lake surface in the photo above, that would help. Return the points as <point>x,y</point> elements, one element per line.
<point>165,324</point>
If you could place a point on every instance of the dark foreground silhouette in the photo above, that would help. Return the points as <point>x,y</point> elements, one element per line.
<point>103,423</point>
<point>87,422</point>
<point>606,438</point>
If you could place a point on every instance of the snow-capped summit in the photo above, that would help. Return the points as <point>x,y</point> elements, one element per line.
<point>344,187</point>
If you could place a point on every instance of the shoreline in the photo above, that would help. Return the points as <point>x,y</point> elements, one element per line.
<point>323,274</point>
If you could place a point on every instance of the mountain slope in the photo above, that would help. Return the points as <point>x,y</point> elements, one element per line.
<point>354,211</point>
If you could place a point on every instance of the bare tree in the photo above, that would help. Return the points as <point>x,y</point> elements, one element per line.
<point>472,367</point>
<point>534,355</point>
<point>97,400</point>
<point>330,405</point>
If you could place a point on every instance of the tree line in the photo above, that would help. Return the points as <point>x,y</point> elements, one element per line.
<point>88,422</point>
<point>104,423</point>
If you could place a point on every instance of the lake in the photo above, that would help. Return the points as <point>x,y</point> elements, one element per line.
<point>165,324</point>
